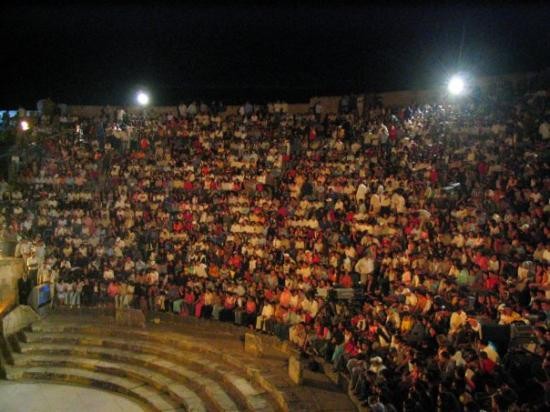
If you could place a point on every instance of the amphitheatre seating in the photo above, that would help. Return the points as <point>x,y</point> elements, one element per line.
<point>163,370</point>
<point>136,359</point>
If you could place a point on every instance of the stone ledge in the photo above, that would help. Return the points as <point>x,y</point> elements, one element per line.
<point>130,318</point>
<point>19,318</point>
<point>180,394</point>
<point>276,384</point>
<point>166,360</point>
<point>177,340</point>
<point>95,380</point>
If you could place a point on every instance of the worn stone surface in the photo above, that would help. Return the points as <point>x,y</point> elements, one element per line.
<point>11,269</point>
<point>16,396</point>
<point>130,318</point>
<point>209,350</point>
<point>253,344</point>
<point>19,318</point>
<point>295,370</point>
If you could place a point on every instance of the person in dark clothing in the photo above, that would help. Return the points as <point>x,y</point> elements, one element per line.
<point>24,287</point>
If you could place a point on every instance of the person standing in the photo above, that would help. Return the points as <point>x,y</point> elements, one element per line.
<point>32,268</point>
<point>24,288</point>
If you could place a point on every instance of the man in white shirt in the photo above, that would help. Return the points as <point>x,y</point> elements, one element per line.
<point>365,267</point>
<point>108,274</point>
<point>544,130</point>
<point>267,313</point>
<point>361,193</point>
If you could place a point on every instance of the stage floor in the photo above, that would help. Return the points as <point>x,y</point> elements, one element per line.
<point>45,397</point>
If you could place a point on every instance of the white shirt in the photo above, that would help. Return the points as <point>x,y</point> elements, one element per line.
<point>361,192</point>
<point>544,130</point>
<point>267,311</point>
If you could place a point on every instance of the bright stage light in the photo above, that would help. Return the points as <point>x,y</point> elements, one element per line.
<point>143,98</point>
<point>456,85</point>
<point>24,125</point>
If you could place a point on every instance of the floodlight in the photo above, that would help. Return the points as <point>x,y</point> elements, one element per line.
<point>143,98</point>
<point>456,85</point>
<point>24,125</point>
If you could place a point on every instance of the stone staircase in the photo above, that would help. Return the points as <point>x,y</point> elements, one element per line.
<point>167,375</point>
<point>202,368</point>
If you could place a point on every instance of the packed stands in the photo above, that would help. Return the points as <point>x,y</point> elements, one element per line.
<point>407,246</point>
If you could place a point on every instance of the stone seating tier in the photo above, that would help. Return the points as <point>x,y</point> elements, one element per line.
<point>181,374</point>
<point>203,369</point>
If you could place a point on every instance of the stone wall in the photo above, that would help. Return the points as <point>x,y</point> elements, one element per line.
<point>11,269</point>
<point>19,318</point>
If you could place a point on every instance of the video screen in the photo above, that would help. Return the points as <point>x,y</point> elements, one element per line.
<point>44,295</point>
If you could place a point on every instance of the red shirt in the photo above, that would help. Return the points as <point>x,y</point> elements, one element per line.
<point>189,297</point>
<point>178,226</point>
<point>144,143</point>
<point>392,133</point>
<point>492,282</point>
<point>282,212</point>
<point>351,349</point>
<point>235,261</point>
<point>250,307</point>
<point>482,168</point>
<point>112,289</point>
<point>482,262</point>
<point>346,281</point>
<point>487,365</point>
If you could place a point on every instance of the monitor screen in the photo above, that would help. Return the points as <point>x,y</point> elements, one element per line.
<point>44,295</point>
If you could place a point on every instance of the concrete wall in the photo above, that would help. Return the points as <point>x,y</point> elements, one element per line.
<point>11,269</point>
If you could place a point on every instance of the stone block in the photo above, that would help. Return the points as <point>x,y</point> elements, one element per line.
<point>11,269</point>
<point>295,370</point>
<point>253,344</point>
<point>19,318</point>
<point>130,317</point>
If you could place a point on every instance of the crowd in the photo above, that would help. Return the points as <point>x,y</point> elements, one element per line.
<point>434,216</point>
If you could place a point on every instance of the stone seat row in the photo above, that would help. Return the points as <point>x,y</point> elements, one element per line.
<point>165,372</point>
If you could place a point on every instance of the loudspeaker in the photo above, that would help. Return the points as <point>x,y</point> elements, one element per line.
<point>498,334</point>
<point>523,336</point>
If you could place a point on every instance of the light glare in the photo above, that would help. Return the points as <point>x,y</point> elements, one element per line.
<point>143,98</point>
<point>24,125</point>
<point>456,85</point>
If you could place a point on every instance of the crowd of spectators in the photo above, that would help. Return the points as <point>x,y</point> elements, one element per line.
<point>435,217</point>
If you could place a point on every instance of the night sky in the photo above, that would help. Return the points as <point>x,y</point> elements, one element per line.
<point>83,53</point>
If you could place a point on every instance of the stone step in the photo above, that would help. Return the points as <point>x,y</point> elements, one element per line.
<point>174,339</point>
<point>126,386</point>
<point>215,343</point>
<point>280,394</point>
<point>177,391</point>
<point>166,360</point>
<point>254,397</point>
